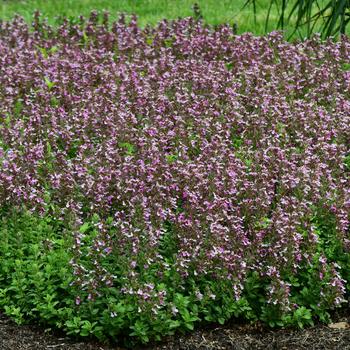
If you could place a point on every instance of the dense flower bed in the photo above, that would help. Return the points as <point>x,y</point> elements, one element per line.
<point>170,175</point>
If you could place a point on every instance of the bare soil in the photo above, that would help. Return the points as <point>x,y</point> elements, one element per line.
<point>232,336</point>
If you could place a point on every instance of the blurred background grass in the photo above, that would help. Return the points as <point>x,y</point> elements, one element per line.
<point>151,11</point>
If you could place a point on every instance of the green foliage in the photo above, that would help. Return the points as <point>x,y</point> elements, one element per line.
<point>327,17</point>
<point>171,158</point>
<point>84,328</point>
<point>128,147</point>
<point>229,66</point>
<point>246,18</point>
<point>168,246</point>
<point>34,270</point>
<point>347,160</point>
<point>18,108</point>
<point>36,276</point>
<point>237,140</point>
<point>302,316</point>
<point>47,52</point>
<point>50,84</point>
<point>54,102</point>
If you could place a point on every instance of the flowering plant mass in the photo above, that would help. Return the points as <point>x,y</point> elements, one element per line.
<point>155,178</point>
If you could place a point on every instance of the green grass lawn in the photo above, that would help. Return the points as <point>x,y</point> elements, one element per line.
<point>149,11</point>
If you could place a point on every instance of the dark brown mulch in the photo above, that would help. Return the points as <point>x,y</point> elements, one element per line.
<point>234,336</point>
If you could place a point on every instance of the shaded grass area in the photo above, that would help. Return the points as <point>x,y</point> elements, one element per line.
<point>152,11</point>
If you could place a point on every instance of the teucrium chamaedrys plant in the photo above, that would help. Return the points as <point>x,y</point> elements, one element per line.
<point>193,172</point>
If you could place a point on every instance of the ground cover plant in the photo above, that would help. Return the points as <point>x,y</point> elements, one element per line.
<point>155,179</point>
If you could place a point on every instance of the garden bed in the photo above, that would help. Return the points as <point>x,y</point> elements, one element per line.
<point>157,180</point>
<point>232,336</point>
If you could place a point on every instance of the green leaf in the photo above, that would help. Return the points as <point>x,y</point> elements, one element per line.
<point>229,66</point>
<point>54,101</point>
<point>345,67</point>
<point>18,107</point>
<point>50,84</point>
<point>84,227</point>
<point>347,162</point>
<point>7,120</point>
<point>171,158</point>
<point>181,302</point>
<point>130,149</point>
<point>85,38</point>
<point>48,147</point>
<point>149,41</point>
<point>95,218</point>
<point>190,326</point>
<point>168,42</point>
<point>53,49</point>
<point>174,324</point>
<point>43,51</point>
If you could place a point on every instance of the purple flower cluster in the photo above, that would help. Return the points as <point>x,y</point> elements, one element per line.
<point>221,146</point>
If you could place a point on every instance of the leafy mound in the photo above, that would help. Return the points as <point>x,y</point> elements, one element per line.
<point>155,178</point>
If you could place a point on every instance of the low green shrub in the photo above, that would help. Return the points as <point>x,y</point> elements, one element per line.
<point>36,284</point>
